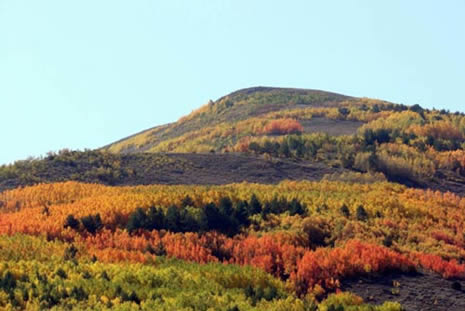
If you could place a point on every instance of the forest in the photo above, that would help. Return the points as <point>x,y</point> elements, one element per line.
<point>234,247</point>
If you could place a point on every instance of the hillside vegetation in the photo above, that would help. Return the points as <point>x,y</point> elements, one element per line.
<point>151,168</point>
<point>279,131</point>
<point>411,145</point>
<point>308,238</point>
<point>266,199</point>
<point>236,108</point>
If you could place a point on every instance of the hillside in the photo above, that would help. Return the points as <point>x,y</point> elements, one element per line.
<point>291,246</point>
<point>408,144</point>
<point>146,169</point>
<point>253,103</point>
<point>270,134</point>
<point>266,199</point>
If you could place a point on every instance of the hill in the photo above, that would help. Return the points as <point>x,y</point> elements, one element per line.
<point>266,199</point>
<point>280,129</point>
<point>252,103</point>
<point>411,145</point>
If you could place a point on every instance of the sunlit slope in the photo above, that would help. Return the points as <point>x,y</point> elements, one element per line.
<point>221,116</point>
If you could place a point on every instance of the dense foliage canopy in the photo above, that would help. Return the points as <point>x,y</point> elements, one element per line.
<point>74,244</point>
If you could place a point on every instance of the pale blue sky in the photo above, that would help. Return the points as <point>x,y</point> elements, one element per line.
<point>77,74</point>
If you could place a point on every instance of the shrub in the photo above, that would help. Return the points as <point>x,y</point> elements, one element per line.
<point>283,126</point>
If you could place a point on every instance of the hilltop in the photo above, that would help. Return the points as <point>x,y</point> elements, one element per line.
<point>239,108</point>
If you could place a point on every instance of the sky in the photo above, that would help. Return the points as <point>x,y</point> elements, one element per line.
<point>82,74</point>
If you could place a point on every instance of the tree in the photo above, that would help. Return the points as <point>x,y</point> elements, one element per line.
<point>417,108</point>
<point>283,126</point>
<point>268,147</point>
<point>241,213</point>
<point>215,219</point>
<point>187,223</point>
<point>344,111</point>
<point>172,219</point>
<point>71,222</point>
<point>225,206</point>
<point>361,213</point>
<point>296,208</point>
<point>160,249</point>
<point>92,223</point>
<point>155,219</point>
<point>255,147</point>
<point>345,210</point>
<point>284,149</point>
<point>300,151</point>
<point>70,253</point>
<point>255,205</point>
<point>137,220</point>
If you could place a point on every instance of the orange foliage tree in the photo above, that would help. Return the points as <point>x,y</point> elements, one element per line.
<point>283,126</point>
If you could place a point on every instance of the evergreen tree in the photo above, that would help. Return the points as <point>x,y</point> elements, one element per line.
<point>361,213</point>
<point>296,208</point>
<point>92,223</point>
<point>137,220</point>
<point>71,222</point>
<point>214,217</point>
<point>284,149</point>
<point>241,213</point>
<point>255,205</point>
<point>187,223</point>
<point>155,219</point>
<point>172,219</point>
<point>225,206</point>
<point>345,210</point>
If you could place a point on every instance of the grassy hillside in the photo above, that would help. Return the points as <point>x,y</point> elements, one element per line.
<point>151,168</point>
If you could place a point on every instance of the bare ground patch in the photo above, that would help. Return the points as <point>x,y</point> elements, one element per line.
<point>331,127</point>
<point>416,292</point>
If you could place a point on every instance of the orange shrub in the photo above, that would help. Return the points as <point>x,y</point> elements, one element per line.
<point>448,269</point>
<point>325,267</point>
<point>441,129</point>
<point>283,126</point>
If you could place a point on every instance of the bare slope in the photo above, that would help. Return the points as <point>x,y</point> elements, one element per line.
<point>418,291</point>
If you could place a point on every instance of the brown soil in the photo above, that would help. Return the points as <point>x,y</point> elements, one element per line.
<point>214,169</point>
<point>331,127</point>
<point>415,292</point>
<point>188,168</point>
